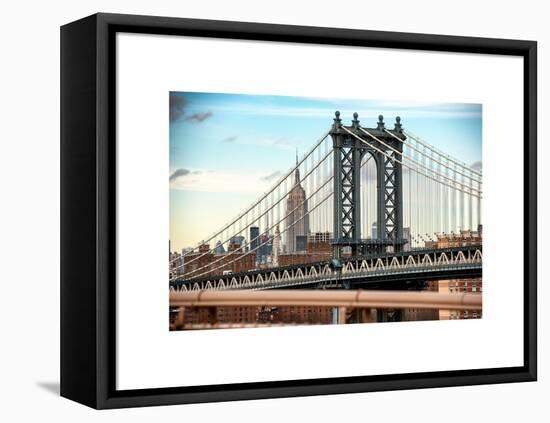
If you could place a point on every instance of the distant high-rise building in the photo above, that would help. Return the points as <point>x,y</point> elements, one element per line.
<point>236,242</point>
<point>254,238</point>
<point>264,250</point>
<point>407,237</point>
<point>276,250</point>
<point>218,249</point>
<point>178,260</point>
<point>297,222</point>
<point>266,243</point>
<point>301,243</point>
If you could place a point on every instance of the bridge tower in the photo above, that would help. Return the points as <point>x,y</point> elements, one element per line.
<point>348,153</point>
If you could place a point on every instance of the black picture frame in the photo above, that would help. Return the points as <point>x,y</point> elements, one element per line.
<point>88,200</point>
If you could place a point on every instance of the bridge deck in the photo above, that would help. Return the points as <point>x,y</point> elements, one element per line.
<point>425,264</point>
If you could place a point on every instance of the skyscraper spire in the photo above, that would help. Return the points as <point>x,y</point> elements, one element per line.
<point>297,173</point>
<point>297,220</point>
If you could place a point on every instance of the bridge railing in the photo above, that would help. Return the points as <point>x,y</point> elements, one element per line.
<point>466,250</point>
<point>341,299</point>
<point>307,274</point>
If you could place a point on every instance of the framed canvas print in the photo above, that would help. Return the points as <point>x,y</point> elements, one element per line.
<point>258,211</point>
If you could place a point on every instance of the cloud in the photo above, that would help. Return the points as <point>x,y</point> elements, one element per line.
<point>178,104</point>
<point>178,110</point>
<point>199,117</point>
<point>477,165</point>
<point>280,143</point>
<point>271,176</point>
<point>178,173</point>
<point>368,110</point>
<point>231,139</point>
<point>219,181</point>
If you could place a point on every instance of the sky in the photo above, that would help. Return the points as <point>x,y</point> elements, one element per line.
<point>227,149</point>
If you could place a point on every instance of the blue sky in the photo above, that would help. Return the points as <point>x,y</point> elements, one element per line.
<point>225,149</point>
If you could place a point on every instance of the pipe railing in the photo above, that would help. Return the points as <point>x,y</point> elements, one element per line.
<point>322,298</point>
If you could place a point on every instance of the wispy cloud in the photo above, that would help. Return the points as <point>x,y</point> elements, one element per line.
<point>199,117</point>
<point>220,181</point>
<point>179,105</point>
<point>477,165</point>
<point>281,143</point>
<point>180,173</point>
<point>230,139</point>
<point>390,110</point>
<point>271,176</point>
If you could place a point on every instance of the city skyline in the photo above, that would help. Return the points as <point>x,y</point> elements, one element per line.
<point>227,149</point>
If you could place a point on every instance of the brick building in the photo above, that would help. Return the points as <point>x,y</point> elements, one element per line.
<point>234,260</point>
<point>213,315</point>
<point>460,286</point>
<point>461,239</point>
<point>318,248</point>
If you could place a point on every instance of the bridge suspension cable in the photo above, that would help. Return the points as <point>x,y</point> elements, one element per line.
<point>418,140</point>
<point>429,208</point>
<point>243,247</point>
<point>268,229</point>
<point>262,198</point>
<point>420,164</point>
<point>187,275</point>
<point>472,178</point>
<point>393,159</point>
<point>263,214</point>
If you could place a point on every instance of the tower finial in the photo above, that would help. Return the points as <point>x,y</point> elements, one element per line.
<point>380,123</point>
<point>297,172</point>
<point>337,121</point>
<point>355,121</point>
<point>398,126</point>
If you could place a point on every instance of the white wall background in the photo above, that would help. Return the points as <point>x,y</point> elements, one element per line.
<point>29,212</point>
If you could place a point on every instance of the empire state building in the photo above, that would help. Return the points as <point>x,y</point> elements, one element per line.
<point>297,222</point>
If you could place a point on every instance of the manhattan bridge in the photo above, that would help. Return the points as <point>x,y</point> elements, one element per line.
<point>383,197</point>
